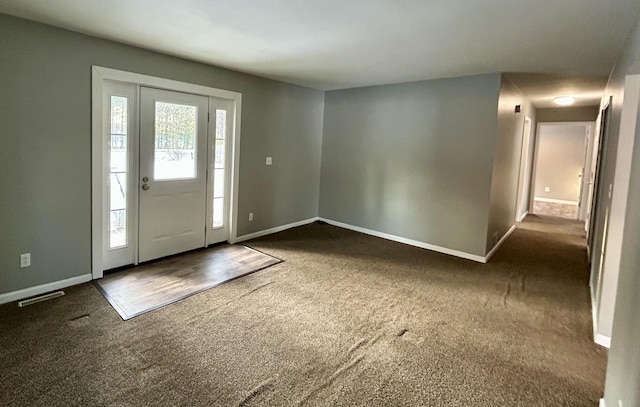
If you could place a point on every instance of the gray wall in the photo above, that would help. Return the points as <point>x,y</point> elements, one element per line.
<point>45,188</point>
<point>506,161</point>
<point>560,156</point>
<point>623,370</point>
<point>412,160</point>
<point>627,64</point>
<point>568,114</point>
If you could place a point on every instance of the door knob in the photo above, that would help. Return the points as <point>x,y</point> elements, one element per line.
<point>145,187</point>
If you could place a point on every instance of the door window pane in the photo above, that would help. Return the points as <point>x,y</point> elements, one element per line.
<point>219,154</point>
<point>219,176</point>
<point>218,183</point>
<point>175,141</point>
<point>221,124</point>
<point>118,172</point>
<point>218,210</point>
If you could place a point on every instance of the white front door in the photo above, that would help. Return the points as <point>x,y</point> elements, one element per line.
<point>173,173</point>
<point>164,167</point>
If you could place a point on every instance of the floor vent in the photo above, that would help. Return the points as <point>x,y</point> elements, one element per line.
<point>41,298</point>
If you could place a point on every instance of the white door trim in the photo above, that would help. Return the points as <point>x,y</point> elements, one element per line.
<point>524,177</point>
<point>99,153</point>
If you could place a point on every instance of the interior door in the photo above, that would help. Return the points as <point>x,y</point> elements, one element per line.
<point>173,164</point>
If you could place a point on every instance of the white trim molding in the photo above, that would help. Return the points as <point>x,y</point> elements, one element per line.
<point>500,242</point>
<point>411,242</point>
<point>602,404</point>
<point>273,230</point>
<point>602,340</point>
<point>558,201</point>
<point>387,236</point>
<point>524,215</point>
<point>42,289</point>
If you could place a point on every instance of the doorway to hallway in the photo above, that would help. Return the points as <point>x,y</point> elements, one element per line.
<point>562,155</point>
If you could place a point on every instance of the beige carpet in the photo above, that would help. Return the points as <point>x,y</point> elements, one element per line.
<point>346,320</point>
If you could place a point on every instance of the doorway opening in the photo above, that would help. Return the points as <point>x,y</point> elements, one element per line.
<point>165,167</point>
<point>562,154</point>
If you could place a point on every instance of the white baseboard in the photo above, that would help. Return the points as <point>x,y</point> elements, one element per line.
<point>404,240</point>
<point>44,288</point>
<point>594,314</point>
<point>273,230</point>
<point>602,340</point>
<point>500,242</point>
<point>558,201</point>
<point>400,239</point>
<point>524,215</point>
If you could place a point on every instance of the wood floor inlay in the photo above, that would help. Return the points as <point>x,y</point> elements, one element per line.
<point>141,289</point>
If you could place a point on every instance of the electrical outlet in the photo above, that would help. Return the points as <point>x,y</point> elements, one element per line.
<point>250,216</point>
<point>25,260</point>
<point>269,160</point>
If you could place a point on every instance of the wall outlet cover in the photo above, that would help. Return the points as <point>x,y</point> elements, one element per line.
<point>25,260</point>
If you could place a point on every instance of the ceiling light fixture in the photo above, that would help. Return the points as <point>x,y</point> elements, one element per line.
<point>564,100</point>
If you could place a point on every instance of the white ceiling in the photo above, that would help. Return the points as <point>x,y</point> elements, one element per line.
<point>334,44</point>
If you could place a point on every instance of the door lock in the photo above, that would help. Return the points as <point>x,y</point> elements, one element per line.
<point>145,179</point>
<point>145,187</point>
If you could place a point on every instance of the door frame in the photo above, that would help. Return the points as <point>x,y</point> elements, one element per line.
<point>99,152</point>
<point>525,173</point>
<point>599,154</point>
<point>582,199</point>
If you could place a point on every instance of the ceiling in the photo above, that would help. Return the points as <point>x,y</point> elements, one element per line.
<point>552,46</point>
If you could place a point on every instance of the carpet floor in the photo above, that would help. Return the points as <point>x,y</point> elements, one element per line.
<point>346,320</point>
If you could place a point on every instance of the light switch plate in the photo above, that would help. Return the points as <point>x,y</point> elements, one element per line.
<point>269,160</point>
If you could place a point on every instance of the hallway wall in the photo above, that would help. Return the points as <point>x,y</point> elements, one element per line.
<point>506,161</point>
<point>567,114</point>
<point>623,370</point>
<point>560,156</point>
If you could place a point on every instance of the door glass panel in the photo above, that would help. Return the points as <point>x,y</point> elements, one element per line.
<point>221,124</point>
<point>218,183</point>
<point>219,160</point>
<point>219,169</point>
<point>118,172</point>
<point>175,142</point>
<point>218,210</point>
